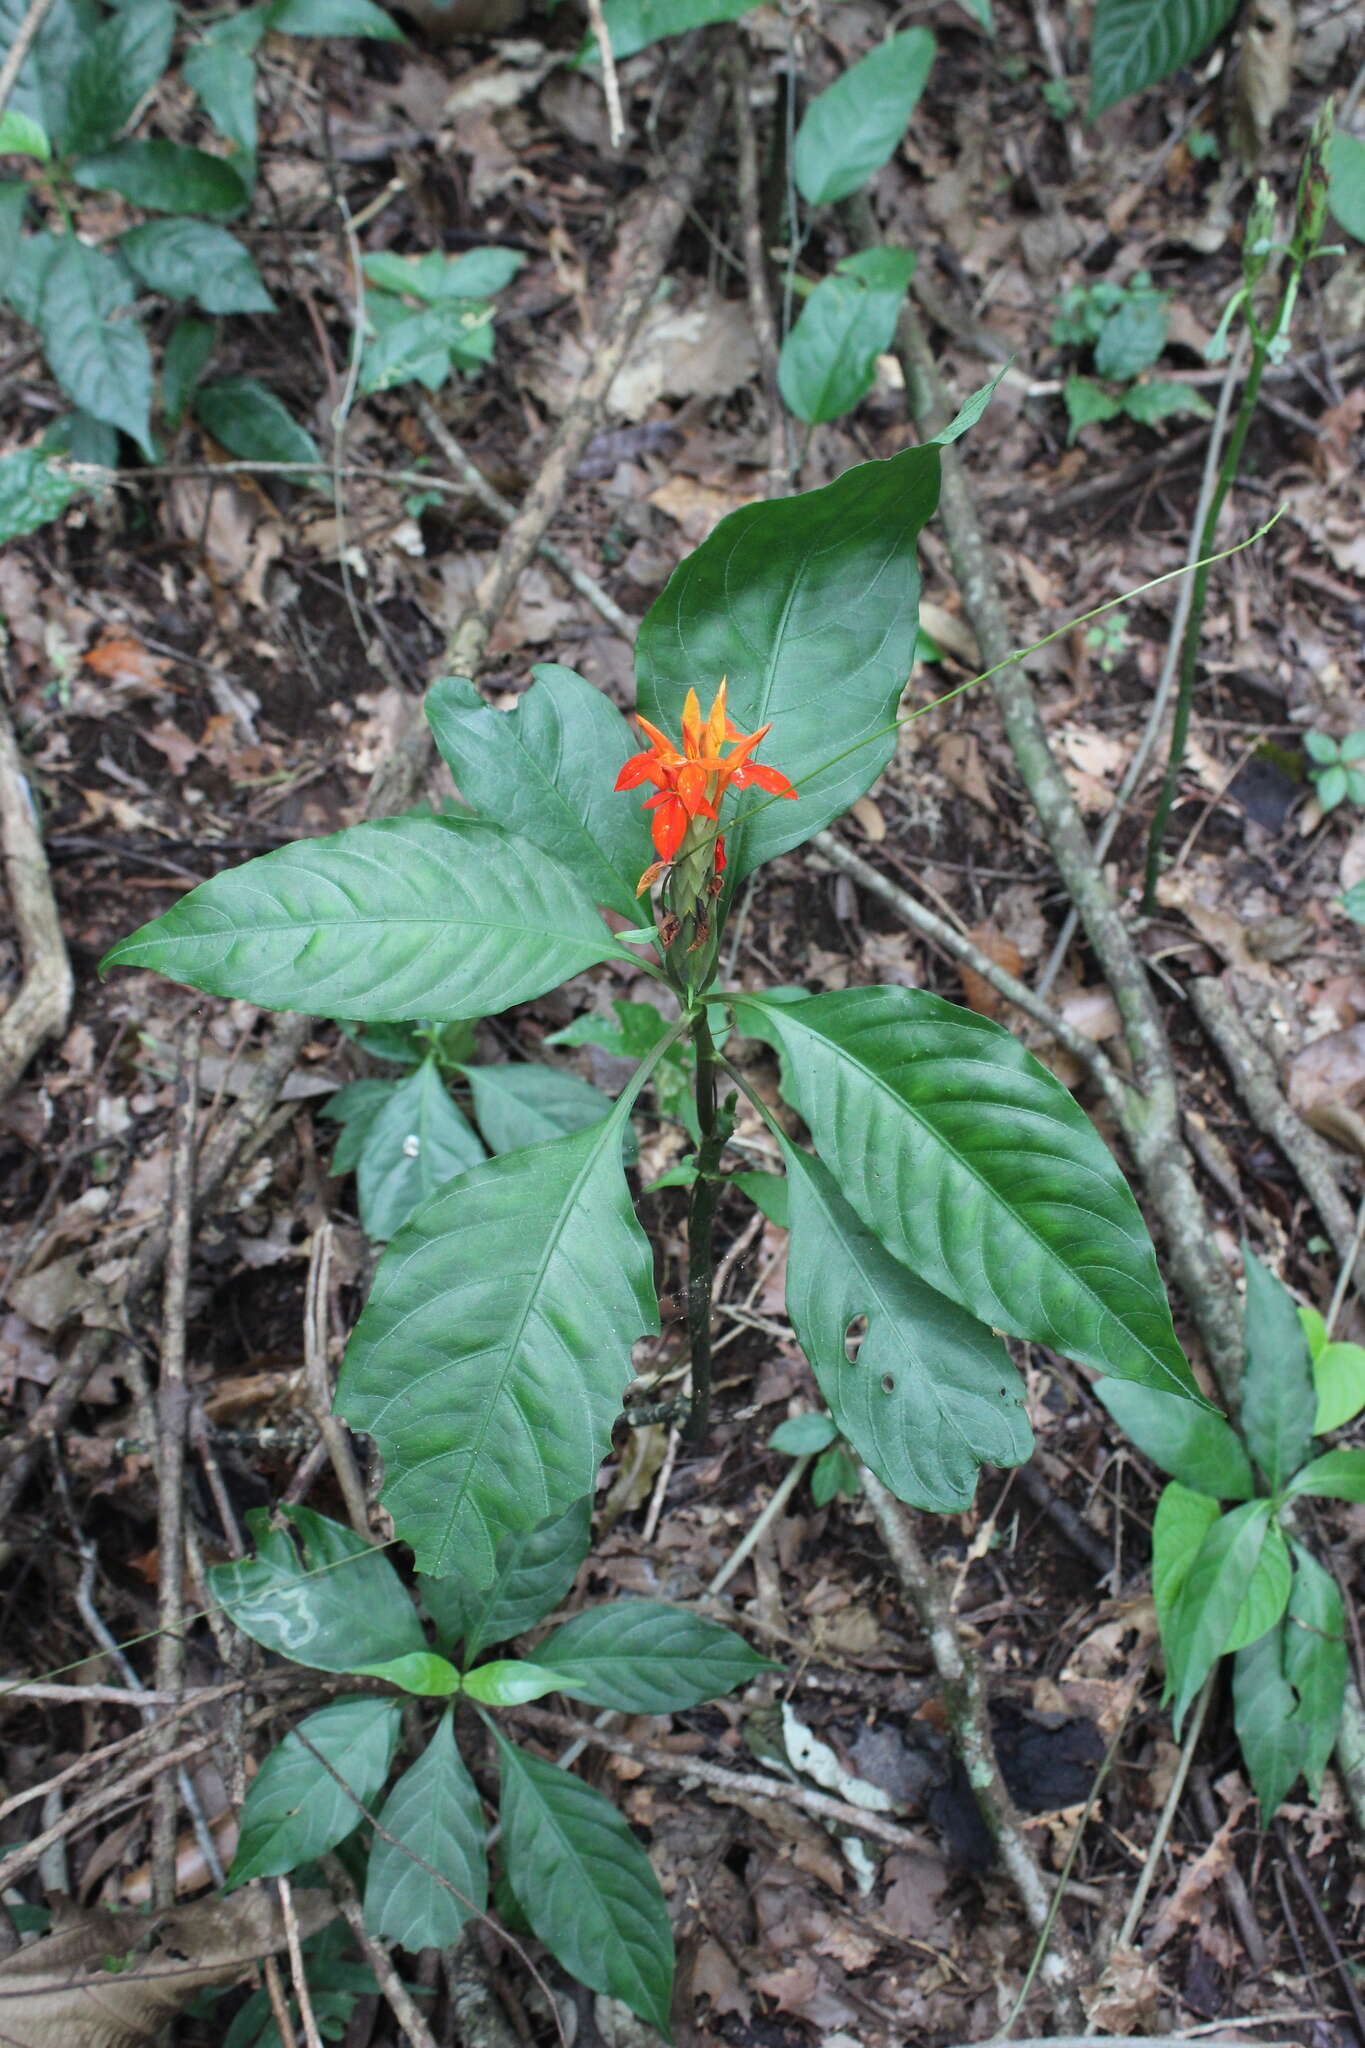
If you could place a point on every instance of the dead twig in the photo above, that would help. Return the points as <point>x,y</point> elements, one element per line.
<point>611,84</point>
<point>297,1972</point>
<point>41,1008</point>
<point>400,2000</point>
<point>756,277</point>
<point>318,1375</point>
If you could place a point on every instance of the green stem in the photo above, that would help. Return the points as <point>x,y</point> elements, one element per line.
<point>1262,341</point>
<point>715,1125</point>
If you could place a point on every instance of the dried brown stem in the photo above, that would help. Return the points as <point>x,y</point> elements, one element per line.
<point>40,1010</point>
<point>756,277</point>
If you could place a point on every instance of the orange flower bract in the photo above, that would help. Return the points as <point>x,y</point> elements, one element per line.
<point>690,781</point>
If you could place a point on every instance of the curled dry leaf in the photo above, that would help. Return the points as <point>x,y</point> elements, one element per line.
<point>1326,1085</point>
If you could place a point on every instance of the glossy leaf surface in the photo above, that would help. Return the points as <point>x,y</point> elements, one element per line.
<point>340,1608</point>
<point>1201,1450</point>
<point>644,1657</point>
<point>294,1809</point>
<point>522,1102</point>
<point>810,605</point>
<point>490,1362</point>
<point>585,1884</point>
<point>931,1395</point>
<point>424,1884</point>
<point>417,1140</point>
<point>977,1169</point>
<point>532,1572</point>
<point>851,129</point>
<point>407,917</point>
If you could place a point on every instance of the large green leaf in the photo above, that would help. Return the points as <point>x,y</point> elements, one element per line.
<point>852,128</point>
<point>931,1395</point>
<point>417,1141</point>
<point>1206,1609</point>
<point>644,1657</point>
<point>1315,1659</point>
<point>104,364</point>
<point>66,29</point>
<point>1279,1401</point>
<point>1199,1449</point>
<point>811,606</point>
<point>342,1607</point>
<point>1135,43</point>
<point>406,917</point>
<point>521,1102</point>
<point>585,1884</point>
<point>192,259</point>
<point>829,359</point>
<point>633,24</point>
<point>532,1571</point>
<point>426,1881</point>
<point>546,771</point>
<point>491,1359</point>
<point>977,1169</point>
<point>165,177</point>
<point>121,62</point>
<point>294,1809</point>
<point>253,422</point>
<point>1265,1714</point>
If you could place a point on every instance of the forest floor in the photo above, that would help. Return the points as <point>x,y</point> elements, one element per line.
<point>193,684</point>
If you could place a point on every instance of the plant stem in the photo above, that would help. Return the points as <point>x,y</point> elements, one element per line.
<point>1261,344</point>
<point>715,1128</point>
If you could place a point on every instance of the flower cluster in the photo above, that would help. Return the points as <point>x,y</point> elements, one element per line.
<point>690,783</point>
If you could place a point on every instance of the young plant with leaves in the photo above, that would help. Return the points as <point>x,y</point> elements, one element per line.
<point>1124,329</point>
<point>951,1188</point>
<point>1240,1581</point>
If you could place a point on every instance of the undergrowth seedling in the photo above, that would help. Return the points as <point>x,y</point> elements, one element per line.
<point>1336,767</point>
<point>1123,329</point>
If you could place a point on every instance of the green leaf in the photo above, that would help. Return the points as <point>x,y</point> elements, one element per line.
<point>341,1608</point>
<point>190,259</point>
<point>644,1657</point>
<point>165,177</point>
<point>1133,335</point>
<point>981,13</point>
<point>1314,1329</point>
<point>420,1672</point>
<point>546,771</point>
<point>532,1571</point>
<point>252,422</point>
<point>1279,1405</point>
<point>405,917</point>
<point>1265,1714</point>
<point>852,128</point>
<point>1315,1660</point>
<point>1266,1593</point>
<point>1208,1605</point>
<point>355,1108</point>
<point>436,277</point>
<point>1331,787</point>
<point>931,1395</point>
<point>1336,1475</point>
<point>223,74</point>
<point>183,362</point>
<point>768,1192</point>
<point>1148,403</point>
<point>634,1035</point>
<point>294,1810</point>
<point>1183,1520</point>
<point>1199,1449</point>
<point>32,491</point>
<point>832,1474</point>
<point>436,1820</point>
<point>524,1103</point>
<point>120,64</point>
<point>333,18</point>
<point>977,1169</point>
<point>1339,1380</point>
<point>1087,402</point>
<point>423,346</point>
<point>417,1141</point>
<point>82,439</point>
<point>40,90</point>
<point>1353,902</point>
<point>1135,43</point>
<point>829,359</point>
<point>21,135</point>
<point>490,1362</point>
<point>634,24</point>
<point>810,605</point>
<point>963,420</point>
<point>1346,182</point>
<point>13,202</point>
<point>801,1435</point>
<point>105,365</point>
<point>585,1884</point>
<point>34,255</point>
<point>508,1682</point>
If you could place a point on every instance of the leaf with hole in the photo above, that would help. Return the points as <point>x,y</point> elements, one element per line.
<point>1136,43</point>
<point>417,1141</point>
<point>1279,1405</point>
<point>976,1168</point>
<point>294,1810</point>
<point>829,359</point>
<point>532,1571</point>
<point>931,1395</point>
<point>193,259</point>
<point>644,1657</point>
<point>428,1868</point>
<point>338,1608</point>
<point>546,770</point>
<point>434,918</point>
<point>852,128</point>
<point>492,1357</point>
<point>585,1884</point>
<point>810,605</point>
<point>1201,1450</point>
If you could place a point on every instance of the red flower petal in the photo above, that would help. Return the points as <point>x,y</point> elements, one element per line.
<point>670,823</point>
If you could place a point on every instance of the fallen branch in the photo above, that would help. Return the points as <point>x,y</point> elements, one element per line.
<point>41,1008</point>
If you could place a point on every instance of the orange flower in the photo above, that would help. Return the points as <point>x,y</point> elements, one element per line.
<point>690,783</point>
